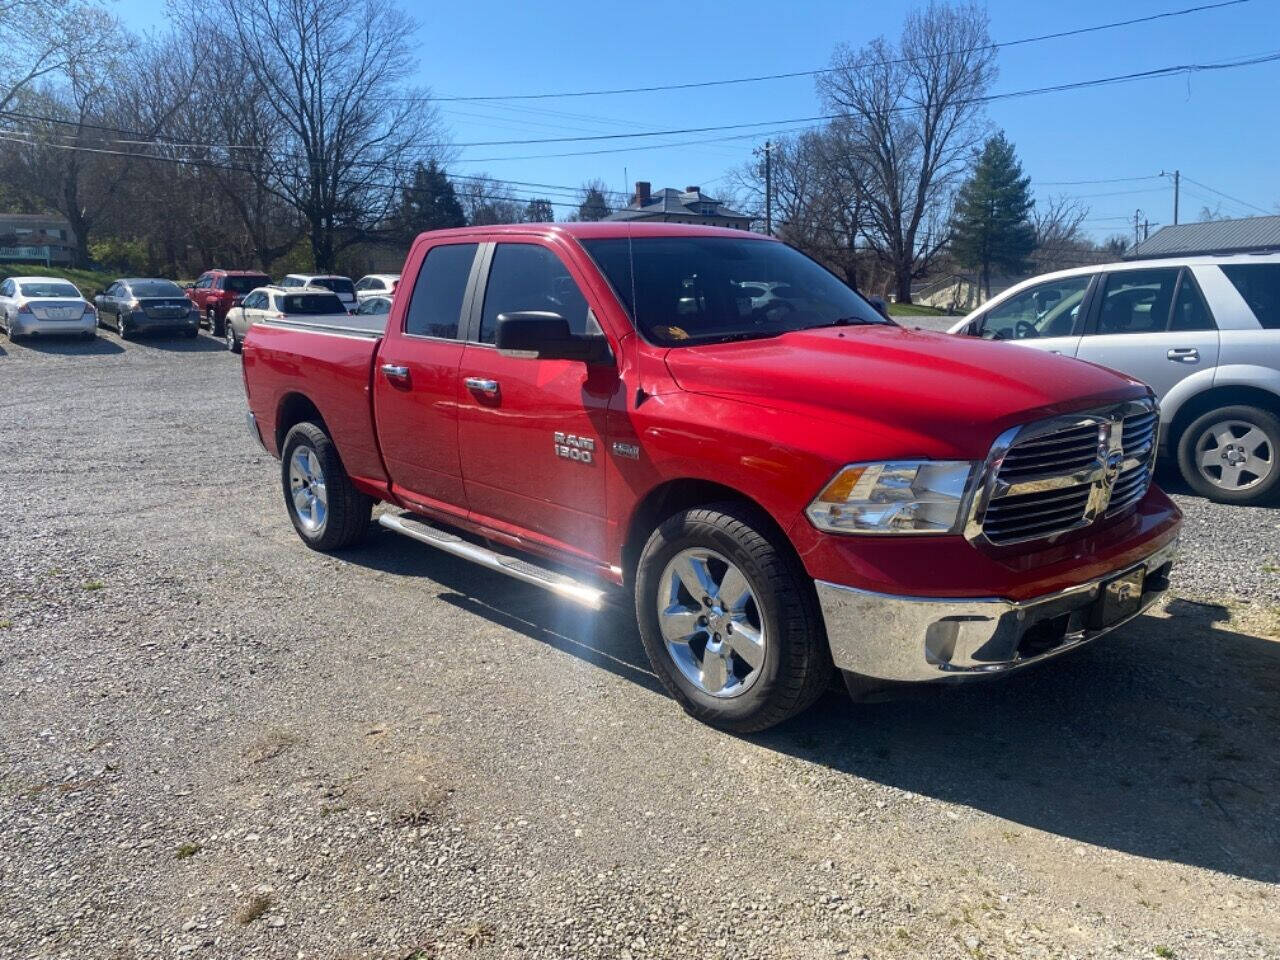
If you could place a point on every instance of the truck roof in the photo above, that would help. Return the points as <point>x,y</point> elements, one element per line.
<point>600,230</point>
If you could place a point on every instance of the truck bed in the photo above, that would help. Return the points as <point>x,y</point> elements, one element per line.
<point>329,361</point>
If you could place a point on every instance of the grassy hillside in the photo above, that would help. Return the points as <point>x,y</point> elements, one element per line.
<point>914,310</point>
<point>87,280</point>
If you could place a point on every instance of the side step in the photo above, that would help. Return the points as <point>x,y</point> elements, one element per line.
<point>525,570</point>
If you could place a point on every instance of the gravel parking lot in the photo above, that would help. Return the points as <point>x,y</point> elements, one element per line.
<point>218,743</point>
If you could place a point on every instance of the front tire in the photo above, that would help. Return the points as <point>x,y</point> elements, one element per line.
<point>233,342</point>
<point>123,328</point>
<point>328,512</point>
<point>729,619</point>
<point>1232,455</point>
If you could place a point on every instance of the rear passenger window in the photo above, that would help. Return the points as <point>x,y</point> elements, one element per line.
<point>1259,284</point>
<point>1189,309</point>
<point>1137,301</point>
<point>525,276</point>
<point>437,296</point>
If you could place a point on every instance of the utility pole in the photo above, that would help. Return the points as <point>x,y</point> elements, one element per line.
<point>1146,228</point>
<point>768,185</point>
<point>1137,227</point>
<point>1177,183</point>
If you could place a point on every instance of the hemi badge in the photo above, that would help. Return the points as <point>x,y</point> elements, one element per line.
<point>629,450</point>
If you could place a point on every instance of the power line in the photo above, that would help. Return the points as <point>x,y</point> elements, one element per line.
<point>1243,203</point>
<point>690,85</point>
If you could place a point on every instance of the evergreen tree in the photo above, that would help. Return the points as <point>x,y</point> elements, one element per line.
<point>991,226</point>
<point>594,205</point>
<point>429,202</point>
<point>539,211</point>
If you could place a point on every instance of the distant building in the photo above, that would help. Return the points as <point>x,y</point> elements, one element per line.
<point>1248,235</point>
<point>36,238</point>
<point>674,206</point>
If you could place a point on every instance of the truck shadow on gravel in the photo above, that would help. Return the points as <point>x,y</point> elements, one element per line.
<point>1158,741</point>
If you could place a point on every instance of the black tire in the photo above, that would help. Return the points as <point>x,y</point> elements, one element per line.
<point>217,328</point>
<point>346,520</point>
<point>1264,490</point>
<point>233,341</point>
<point>191,332</point>
<point>123,328</point>
<point>797,666</point>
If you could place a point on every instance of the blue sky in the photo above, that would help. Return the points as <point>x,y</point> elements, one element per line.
<point>1217,129</point>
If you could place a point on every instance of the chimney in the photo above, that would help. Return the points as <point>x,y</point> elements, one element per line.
<point>642,192</point>
<point>692,189</point>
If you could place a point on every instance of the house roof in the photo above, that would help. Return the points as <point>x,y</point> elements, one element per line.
<point>668,201</point>
<point>1214,236</point>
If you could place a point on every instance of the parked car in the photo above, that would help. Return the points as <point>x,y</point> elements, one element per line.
<point>135,305</point>
<point>279,303</point>
<point>342,286</point>
<point>216,291</point>
<point>779,493</point>
<point>41,306</point>
<point>1204,332</point>
<point>374,306</point>
<point>376,285</point>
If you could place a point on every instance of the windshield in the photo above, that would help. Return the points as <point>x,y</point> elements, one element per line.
<point>311,303</point>
<point>155,288</point>
<point>244,284</point>
<point>685,290</point>
<point>51,288</point>
<point>336,284</point>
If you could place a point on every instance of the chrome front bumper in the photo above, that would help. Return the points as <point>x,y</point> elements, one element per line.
<point>894,638</point>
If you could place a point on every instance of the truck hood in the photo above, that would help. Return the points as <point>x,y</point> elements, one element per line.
<point>940,394</point>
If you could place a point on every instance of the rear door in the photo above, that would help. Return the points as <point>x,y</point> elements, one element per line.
<point>1152,324</point>
<point>1048,315</point>
<point>532,432</point>
<point>415,379</point>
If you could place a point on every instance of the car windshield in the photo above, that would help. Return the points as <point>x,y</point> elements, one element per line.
<point>155,288</point>
<point>47,288</point>
<point>336,284</point>
<point>244,284</point>
<point>686,290</point>
<point>311,303</point>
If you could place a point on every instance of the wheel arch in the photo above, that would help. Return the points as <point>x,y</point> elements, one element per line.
<point>295,408</point>
<point>684,493</point>
<point>1219,395</point>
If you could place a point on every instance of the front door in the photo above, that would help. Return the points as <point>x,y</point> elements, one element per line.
<point>532,432</point>
<point>415,381</point>
<point>1048,316</point>
<point>1152,324</point>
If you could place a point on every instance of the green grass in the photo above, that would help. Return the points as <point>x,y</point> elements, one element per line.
<point>1163,951</point>
<point>87,280</point>
<point>93,585</point>
<point>187,850</point>
<point>914,310</point>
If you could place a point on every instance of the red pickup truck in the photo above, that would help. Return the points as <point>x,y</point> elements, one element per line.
<point>784,481</point>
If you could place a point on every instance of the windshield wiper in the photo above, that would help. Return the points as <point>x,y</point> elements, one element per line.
<point>847,322</point>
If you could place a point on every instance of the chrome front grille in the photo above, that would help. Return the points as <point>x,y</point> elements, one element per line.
<point>1044,479</point>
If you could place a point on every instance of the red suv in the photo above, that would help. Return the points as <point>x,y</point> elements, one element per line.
<point>217,291</point>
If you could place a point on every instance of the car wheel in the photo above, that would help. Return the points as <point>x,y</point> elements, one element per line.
<point>328,512</point>
<point>233,342</point>
<point>217,328</point>
<point>1232,455</point>
<point>97,318</point>
<point>729,618</point>
<point>123,327</point>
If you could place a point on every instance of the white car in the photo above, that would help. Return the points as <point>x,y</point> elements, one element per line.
<point>376,285</point>
<point>45,305</point>
<point>282,303</point>
<point>342,286</point>
<point>1204,332</point>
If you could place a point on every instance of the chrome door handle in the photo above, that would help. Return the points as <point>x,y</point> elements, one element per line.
<point>394,371</point>
<point>481,385</point>
<point>1184,355</point>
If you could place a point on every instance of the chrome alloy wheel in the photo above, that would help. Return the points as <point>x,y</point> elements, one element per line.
<point>711,622</point>
<point>306,486</point>
<point>1235,455</point>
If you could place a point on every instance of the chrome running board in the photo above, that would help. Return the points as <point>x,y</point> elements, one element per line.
<point>515,567</point>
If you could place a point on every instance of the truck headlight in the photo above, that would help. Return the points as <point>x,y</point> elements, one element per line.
<point>900,496</point>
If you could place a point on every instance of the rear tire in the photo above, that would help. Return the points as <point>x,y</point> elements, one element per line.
<point>1232,455</point>
<point>217,328</point>
<point>123,328</point>
<point>328,512</point>
<point>725,541</point>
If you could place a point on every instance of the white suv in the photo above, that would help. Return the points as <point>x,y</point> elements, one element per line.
<point>342,286</point>
<point>281,303</point>
<point>1204,332</point>
<point>376,285</point>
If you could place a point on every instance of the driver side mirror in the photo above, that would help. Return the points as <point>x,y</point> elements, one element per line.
<point>542,335</point>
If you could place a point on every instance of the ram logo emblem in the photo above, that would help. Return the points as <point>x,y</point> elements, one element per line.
<point>571,447</point>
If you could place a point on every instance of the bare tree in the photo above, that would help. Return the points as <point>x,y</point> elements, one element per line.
<point>486,200</point>
<point>347,130</point>
<point>912,115</point>
<point>43,38</point>
<point>1060,243</point>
